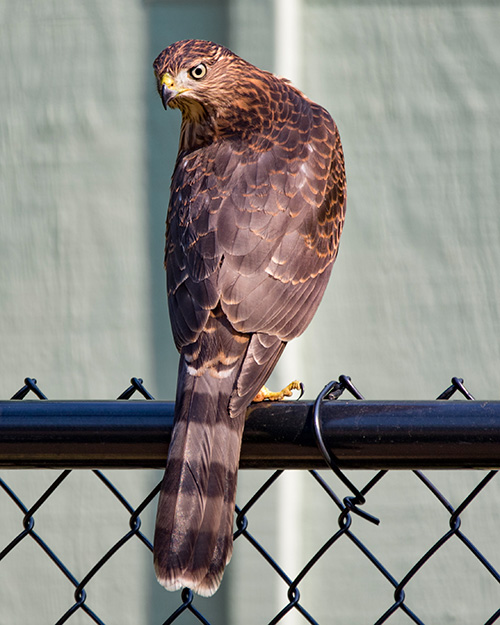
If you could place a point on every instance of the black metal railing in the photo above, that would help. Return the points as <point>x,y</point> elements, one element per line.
<point>326,433</point>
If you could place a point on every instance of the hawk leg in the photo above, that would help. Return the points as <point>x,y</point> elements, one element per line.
<point>265,394</point>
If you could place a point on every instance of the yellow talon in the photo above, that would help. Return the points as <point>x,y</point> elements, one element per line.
<point>266,395</point>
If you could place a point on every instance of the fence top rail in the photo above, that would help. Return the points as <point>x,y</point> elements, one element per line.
<point>359,434</point>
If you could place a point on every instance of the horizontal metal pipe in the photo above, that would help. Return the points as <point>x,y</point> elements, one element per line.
<point>360,434</point>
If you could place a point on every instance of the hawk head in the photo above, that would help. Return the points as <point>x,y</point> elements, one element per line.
<point>212,86</point>
<point>192,74</point>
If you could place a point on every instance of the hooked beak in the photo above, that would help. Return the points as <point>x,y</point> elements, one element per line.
<point>168,89</point>
<point>167,94</point>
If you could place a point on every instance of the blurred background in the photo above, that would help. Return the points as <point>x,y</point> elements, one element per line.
<point>86,155</point>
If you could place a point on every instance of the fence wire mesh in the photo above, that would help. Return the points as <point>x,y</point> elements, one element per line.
<point>399,601</point>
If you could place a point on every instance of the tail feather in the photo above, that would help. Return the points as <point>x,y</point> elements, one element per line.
<point>193,537</point>
<point>194,525</point>
<point>224,512</point>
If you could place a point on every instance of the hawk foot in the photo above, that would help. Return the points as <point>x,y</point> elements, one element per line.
<point>266,395</point>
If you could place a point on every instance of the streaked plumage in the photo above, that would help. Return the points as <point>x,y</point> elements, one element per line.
<point>256,211</point>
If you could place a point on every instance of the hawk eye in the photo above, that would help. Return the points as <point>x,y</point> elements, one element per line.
<point>198,71</point>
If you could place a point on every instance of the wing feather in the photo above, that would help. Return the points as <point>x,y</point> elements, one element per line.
<point>257,230</point>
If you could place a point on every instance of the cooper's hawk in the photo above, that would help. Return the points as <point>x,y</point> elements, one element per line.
<point>256,210</point>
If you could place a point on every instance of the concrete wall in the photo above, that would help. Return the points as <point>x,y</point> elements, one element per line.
<point>86,153</point>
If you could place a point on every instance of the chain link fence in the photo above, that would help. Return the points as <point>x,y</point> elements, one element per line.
<point>356,511</point>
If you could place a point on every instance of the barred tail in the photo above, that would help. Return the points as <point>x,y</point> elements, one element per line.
<point>194,525</point>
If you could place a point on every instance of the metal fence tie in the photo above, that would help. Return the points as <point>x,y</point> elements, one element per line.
<point>358,498</point>
<point>457,384</point>
<point>136,386</point>
<point>187,600</point>
<point>293,595</point>
<point>187,597</point>
<point>29,385</point>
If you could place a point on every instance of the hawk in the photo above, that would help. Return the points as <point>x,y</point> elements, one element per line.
<point>257,205</point>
